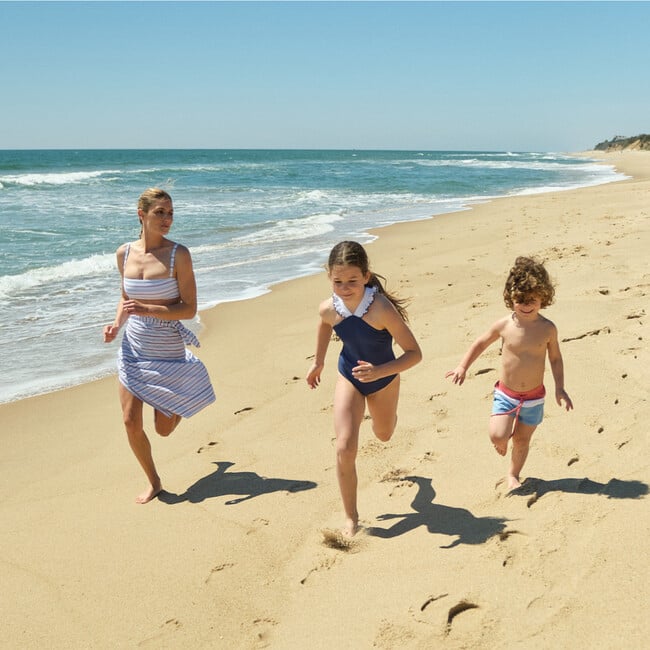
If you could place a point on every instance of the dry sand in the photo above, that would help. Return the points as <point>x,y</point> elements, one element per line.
<point>232,556</point>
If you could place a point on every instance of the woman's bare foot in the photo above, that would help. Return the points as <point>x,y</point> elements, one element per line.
<point>149,494</point>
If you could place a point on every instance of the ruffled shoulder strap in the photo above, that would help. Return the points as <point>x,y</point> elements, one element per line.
<point>364,305</point>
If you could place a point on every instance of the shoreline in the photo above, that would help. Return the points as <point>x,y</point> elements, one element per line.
<point>372,233</point>
<point>234,554</point>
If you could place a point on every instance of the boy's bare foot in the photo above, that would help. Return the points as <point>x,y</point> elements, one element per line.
<point>501,448</point>
<point>149,494</point>
<point>513,482</point>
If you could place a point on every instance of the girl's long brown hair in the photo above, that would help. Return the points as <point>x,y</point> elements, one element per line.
<point>351,253</point>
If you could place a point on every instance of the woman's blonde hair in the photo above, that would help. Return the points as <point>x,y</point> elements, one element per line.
<point>150,195</point>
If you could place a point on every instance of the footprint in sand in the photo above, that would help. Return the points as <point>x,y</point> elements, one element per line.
<point>575,459</point>
<point>219,567</point>
<point>430,600</point>
<point>461,607</point>
<point>325,564</point>
<point>246,408</point>
<point>263,626</point>
<point>202,449</point>
<point>600,330</point>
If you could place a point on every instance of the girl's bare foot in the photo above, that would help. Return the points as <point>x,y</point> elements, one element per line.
<point>149,494</point>
<point>513,482</point>
<point>350,528</point>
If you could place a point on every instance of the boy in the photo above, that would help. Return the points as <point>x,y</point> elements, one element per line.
<point>527,337</point>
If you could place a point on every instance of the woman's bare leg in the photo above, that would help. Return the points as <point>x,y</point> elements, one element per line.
<point>165,425</point>
<point>140,445</point>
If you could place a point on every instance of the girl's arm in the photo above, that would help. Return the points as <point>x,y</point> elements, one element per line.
<point>323,339</point>
<point>475,350</point>
<point>400,331</point>
<point>557,368</point>
<point>185,308</point>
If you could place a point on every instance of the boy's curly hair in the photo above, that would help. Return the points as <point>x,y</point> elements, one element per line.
<point>527,278</point>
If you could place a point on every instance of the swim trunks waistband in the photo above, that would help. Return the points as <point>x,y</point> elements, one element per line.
<point>525,396</point>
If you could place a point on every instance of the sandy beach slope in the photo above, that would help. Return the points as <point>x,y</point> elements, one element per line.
<point>232,554</point>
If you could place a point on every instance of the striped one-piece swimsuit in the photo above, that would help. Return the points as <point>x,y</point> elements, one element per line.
<point>153,362</point>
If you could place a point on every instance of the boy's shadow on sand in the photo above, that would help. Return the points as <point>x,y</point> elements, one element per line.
<point>444,520</point>
<point>613,489</point>
<point>221,483</point>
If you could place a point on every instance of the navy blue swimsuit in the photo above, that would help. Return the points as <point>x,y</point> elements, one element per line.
<point>362,341</point>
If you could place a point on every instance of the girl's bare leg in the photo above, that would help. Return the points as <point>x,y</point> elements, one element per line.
<point>520,446</point>
<point>349,407</point>
<point>140,445</point>
<point>382,407</point>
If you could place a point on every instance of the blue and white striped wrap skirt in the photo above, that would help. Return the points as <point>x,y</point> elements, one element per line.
<point>155,366</point>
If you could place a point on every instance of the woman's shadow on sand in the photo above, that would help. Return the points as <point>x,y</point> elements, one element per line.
<point>222,483</point>
<point>443,520</point>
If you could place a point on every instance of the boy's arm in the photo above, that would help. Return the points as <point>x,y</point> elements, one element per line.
<point>557,368</point>
<point>475,350</point>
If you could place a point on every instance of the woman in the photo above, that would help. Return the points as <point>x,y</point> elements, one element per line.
<point>154,366</point>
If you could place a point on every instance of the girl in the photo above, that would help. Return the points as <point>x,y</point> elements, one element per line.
<point>367,319</point>
<point>158,289</point>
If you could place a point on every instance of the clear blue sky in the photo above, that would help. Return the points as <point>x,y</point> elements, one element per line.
<point>540,76</point>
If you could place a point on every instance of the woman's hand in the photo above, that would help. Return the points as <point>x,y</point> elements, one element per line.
<point>110,332</point>
<point>137,308</point>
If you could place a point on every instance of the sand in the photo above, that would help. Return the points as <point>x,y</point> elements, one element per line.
<point>233,556</point>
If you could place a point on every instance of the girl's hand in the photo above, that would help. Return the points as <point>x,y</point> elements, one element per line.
<point>457,375</point>
<point>313,376</point>
<point>110,332</point>
<point>365,372</point>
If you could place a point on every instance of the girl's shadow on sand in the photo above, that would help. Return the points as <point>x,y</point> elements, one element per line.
<point>443,520</point>
<point>221,483</point>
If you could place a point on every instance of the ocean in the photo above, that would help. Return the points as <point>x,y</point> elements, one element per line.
<point>251,218</point>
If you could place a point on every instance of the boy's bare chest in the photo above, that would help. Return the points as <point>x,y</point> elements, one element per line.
<point>531,339</point>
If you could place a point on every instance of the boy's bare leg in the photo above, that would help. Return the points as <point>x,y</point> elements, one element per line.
<point>501,432</point>
<point>349,407</point>
<point>140,445</point>
<point>520,446</point>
